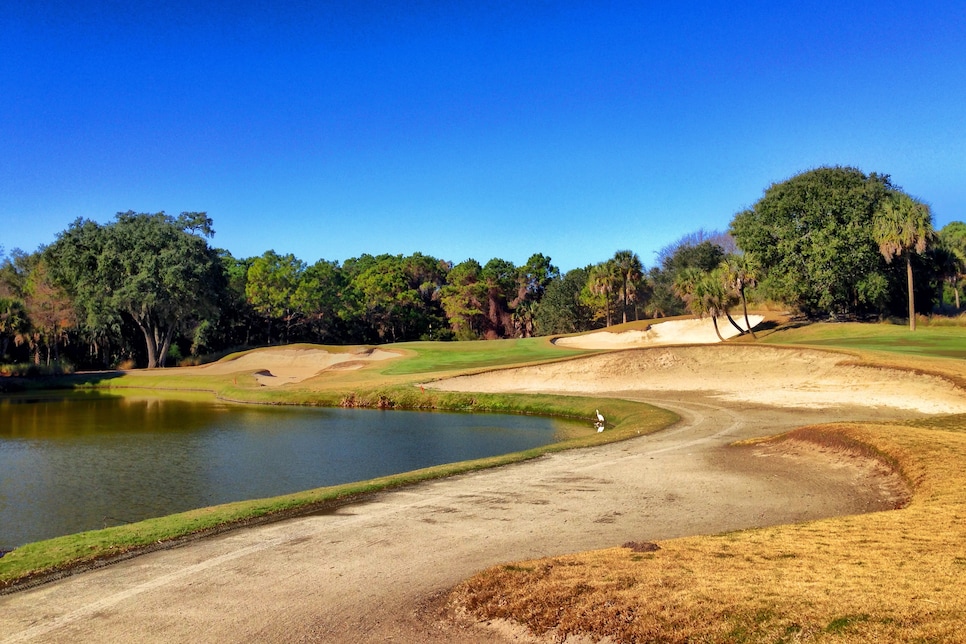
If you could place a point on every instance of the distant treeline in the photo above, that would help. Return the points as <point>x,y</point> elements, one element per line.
<point>148,289</point>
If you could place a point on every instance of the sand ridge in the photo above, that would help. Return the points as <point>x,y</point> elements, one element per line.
<point>275,367</point>
<point>750,374</point>
<point>695,331</point>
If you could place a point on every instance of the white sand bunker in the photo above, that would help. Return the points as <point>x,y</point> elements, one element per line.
<point>274,367</point>
<point>695,331</point>
<point>772,376</point>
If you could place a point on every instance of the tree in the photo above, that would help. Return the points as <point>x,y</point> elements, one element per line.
<point>318,296</point>
<point>952,240</point>
<point>949,269</point>
<point>463,299</point>
<point>561,309</point>
<point>704,293</point>
<point>14,324</point>
<point>270,287</point>
<point>153,268</point>
<point>50,312</point>
<point>901,226</point>
<point>812,237</point>
<point>739,273</point>
<point>601,284</point>
<point>629,273</point>
<point>532,280</point>
<point>500,277</point>
<point>700,250</point>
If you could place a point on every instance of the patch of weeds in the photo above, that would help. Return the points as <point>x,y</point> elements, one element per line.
<point>960,561</point>
<point>750,627</point>
<point>642,546</point>
<point>791,634</point>
<point>738,634</point>
<point>513,568</point>
<point>840,625</point>
<point>764,615</point>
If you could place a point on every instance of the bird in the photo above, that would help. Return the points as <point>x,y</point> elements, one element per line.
<point>600,417</point>
<point>599,424</point>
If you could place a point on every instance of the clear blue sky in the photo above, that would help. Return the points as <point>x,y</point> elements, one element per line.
<point>466,129</point>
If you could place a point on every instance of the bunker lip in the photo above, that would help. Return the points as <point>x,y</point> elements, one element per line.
<point>278,366</point>
<point>671,332</point>
<point>776,377</point>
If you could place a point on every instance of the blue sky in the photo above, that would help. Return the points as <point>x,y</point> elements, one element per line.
<point>466,129</point>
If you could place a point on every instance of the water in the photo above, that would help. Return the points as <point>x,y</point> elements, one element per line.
<point>91,461</point>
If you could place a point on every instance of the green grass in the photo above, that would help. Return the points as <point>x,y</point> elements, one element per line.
<point>926,341</point>
<point>462,356</point>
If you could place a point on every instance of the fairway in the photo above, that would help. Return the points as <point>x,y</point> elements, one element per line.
<point>926,341</point>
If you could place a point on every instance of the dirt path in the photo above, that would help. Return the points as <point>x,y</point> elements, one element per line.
<point>375,571</point>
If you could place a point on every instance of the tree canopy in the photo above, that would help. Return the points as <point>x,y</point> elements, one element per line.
<point>812,236</point>
<point>154,268</point>
<point>147,288</point>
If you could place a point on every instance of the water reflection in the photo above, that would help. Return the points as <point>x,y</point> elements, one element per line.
<point>92,461</point>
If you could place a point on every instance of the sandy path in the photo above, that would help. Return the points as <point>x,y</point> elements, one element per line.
<point>373,571</point>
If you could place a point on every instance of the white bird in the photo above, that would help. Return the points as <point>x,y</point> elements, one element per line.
<point>600,418</point>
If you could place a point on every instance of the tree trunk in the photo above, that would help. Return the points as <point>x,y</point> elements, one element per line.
<point>624,301</point>
<point>744,307</point>
<point>165,346</point>
<point>734,324</point>
<point>912,297</point>
<point>714,320</point>
<point>151,344</point>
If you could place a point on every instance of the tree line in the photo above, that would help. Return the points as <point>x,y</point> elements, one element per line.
<point>149,289</point>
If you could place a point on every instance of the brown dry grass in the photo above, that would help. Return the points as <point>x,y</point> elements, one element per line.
<point>896,576</point>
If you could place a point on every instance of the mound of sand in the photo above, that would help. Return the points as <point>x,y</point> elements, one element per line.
<point>274,367</point>
<point>662,333</point>
<point>772,376</point>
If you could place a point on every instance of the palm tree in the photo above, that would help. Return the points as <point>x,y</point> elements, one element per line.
<point>627,266</point>
<point>902,225</point>
<point>704,293</point>
<point>601,283</point>
<point>715,298</point>
<point>952,257</point>
<point>950,267</point>
<point>684,285</point>
<point>14,323</point>
<point>740,272</point>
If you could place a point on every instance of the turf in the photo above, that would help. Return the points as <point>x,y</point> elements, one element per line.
<point>928,341</point>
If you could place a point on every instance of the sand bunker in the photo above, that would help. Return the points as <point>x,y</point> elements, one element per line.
<point>757,375</point>
<point>696,331</point>
<point>275,367</point>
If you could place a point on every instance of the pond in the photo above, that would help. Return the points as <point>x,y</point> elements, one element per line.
<point>82,462</point>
